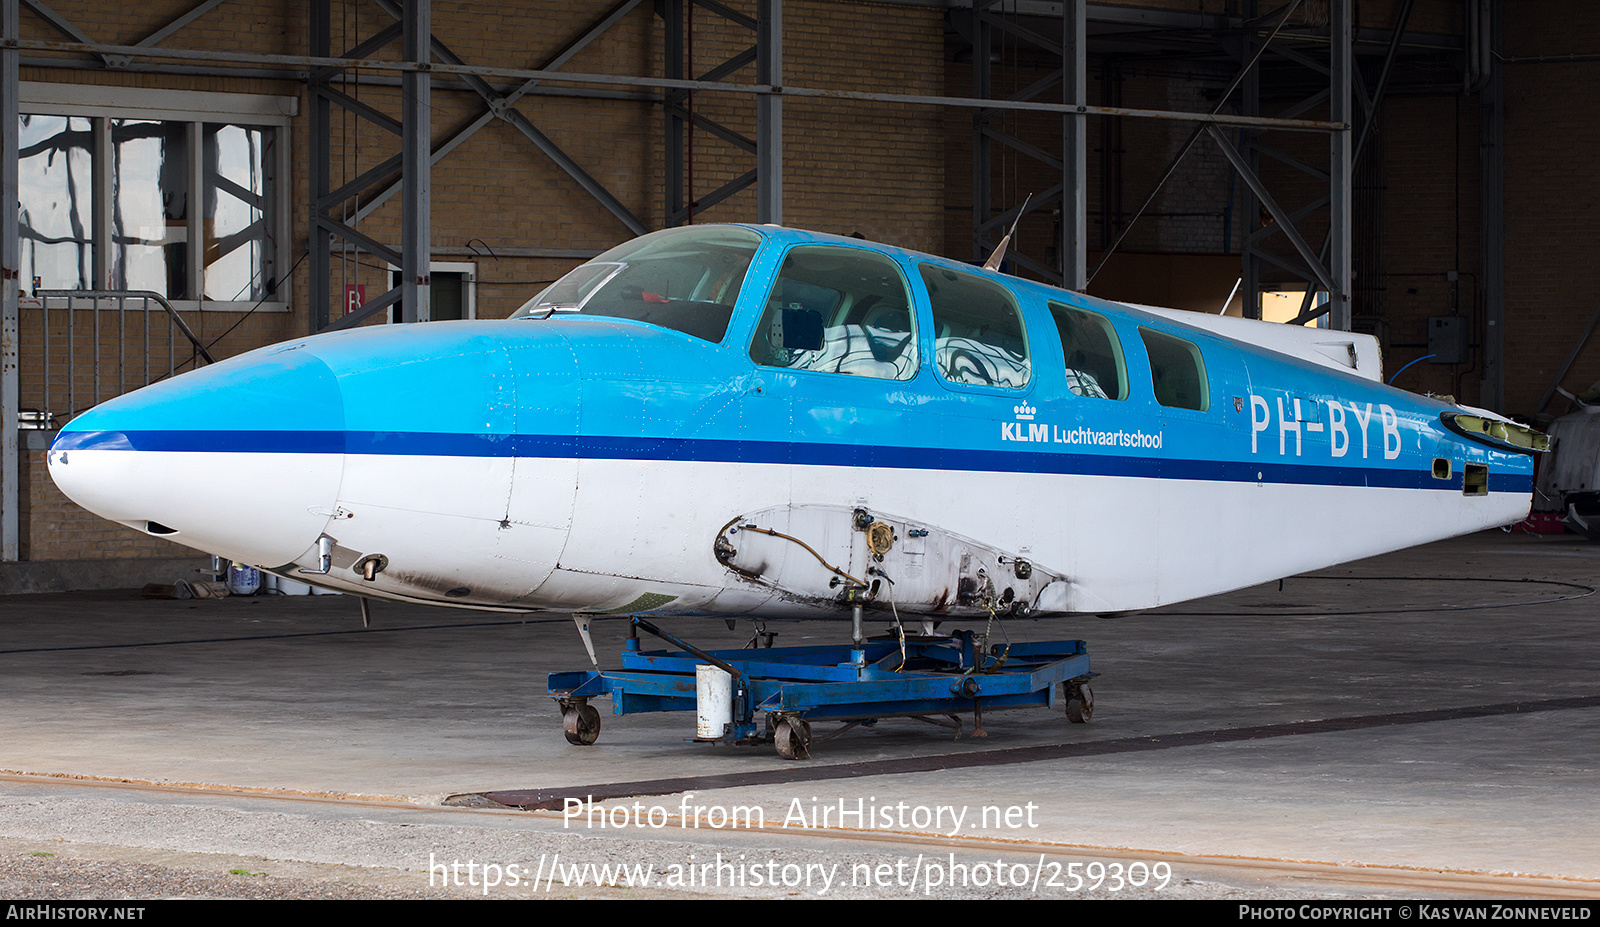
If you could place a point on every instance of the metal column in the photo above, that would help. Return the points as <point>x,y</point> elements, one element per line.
<point>318,244</point>
<point>1491,390</point>
<point>415,143</point>
<point>1250,263</point>
<point>1341,36</point>
<point>982,67</point>
<point>672,16</point>
<point>1074,146</point>
<point>10,281</point>
<point>683,200</point>
<point>769,112</point>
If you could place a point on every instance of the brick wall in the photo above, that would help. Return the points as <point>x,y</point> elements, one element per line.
<point>1552,188</point>
<point>849,166</point>
<point>1431,208</point>
<point>893,172</point>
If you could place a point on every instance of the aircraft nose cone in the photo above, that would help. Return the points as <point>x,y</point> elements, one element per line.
<point>242,459</point>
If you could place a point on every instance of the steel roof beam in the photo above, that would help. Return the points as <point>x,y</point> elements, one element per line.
<point>490,113</point>
<point>1212,118</point>
<point>195,13</point>
<point>521,123</point>
<point>1278,215</point>
<point>732,15</point>
<point>714,197</point>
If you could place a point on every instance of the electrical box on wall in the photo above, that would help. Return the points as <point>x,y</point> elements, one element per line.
<point>1449,340</point>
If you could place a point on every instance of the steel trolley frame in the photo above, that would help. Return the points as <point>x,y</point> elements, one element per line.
<point>778,691</point>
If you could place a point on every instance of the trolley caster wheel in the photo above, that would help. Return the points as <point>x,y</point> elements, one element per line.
<point>1080,704</point>
<point>792,737</point>
<point>581,724</point>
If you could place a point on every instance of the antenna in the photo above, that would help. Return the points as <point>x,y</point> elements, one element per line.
<point>1236,284</point>
<point>1000,250</point>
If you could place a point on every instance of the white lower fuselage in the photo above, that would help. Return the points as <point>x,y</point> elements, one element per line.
<point>561,534</point>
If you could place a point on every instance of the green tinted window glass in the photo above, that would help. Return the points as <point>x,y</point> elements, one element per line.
<point>1177,371</point>
<point>1093,353</point>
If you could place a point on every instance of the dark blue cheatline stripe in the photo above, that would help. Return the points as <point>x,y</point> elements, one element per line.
<point>432,444</point>
<point>426,444</point>
<point>281,442</point>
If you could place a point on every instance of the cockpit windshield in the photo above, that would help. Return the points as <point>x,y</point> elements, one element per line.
<point>685,279</point>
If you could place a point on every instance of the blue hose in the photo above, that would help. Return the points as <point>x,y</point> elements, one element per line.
<point>1403,369</point>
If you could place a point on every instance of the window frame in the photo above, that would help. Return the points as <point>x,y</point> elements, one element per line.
<point>1202,369</point>
<point>1118,355</point>
<point>621,257</point>
<point>194,109</point>
<point>1011,299</point>
<point>913,348</point>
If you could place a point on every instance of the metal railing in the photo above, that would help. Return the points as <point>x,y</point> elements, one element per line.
<point>77,355</point>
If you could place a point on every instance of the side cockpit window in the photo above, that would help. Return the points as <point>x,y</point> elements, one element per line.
<point>685,279</point>
<point>978,334</point>
<point>838,310</point>
<point>1093,353</point>
<point>1177,371</point>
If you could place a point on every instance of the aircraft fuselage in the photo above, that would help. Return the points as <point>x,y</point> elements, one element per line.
<point>780,423</point>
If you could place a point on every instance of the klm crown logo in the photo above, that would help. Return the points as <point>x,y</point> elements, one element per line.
<point>1024,412</point>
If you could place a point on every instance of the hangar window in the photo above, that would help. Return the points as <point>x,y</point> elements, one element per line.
<point>134,189</point>
<point>978,334</point>
<point>1093,353</point>
<point>838,310</point>
<point>1177,371</point>
<point>685,279</point>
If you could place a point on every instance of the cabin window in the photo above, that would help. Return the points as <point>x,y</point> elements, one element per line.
<point>1093,353</point>
<point>838,310</point>
<point>685,279</point>
<point>1177,371</point>
<point>978,333</point>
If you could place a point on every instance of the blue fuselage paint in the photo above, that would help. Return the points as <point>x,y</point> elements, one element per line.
<point>600,388</point>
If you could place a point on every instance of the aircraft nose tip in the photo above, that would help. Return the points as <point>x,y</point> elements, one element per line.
<point>242,459</point>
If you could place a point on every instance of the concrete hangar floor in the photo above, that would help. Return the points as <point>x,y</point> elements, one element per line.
<point>1420,724</point>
